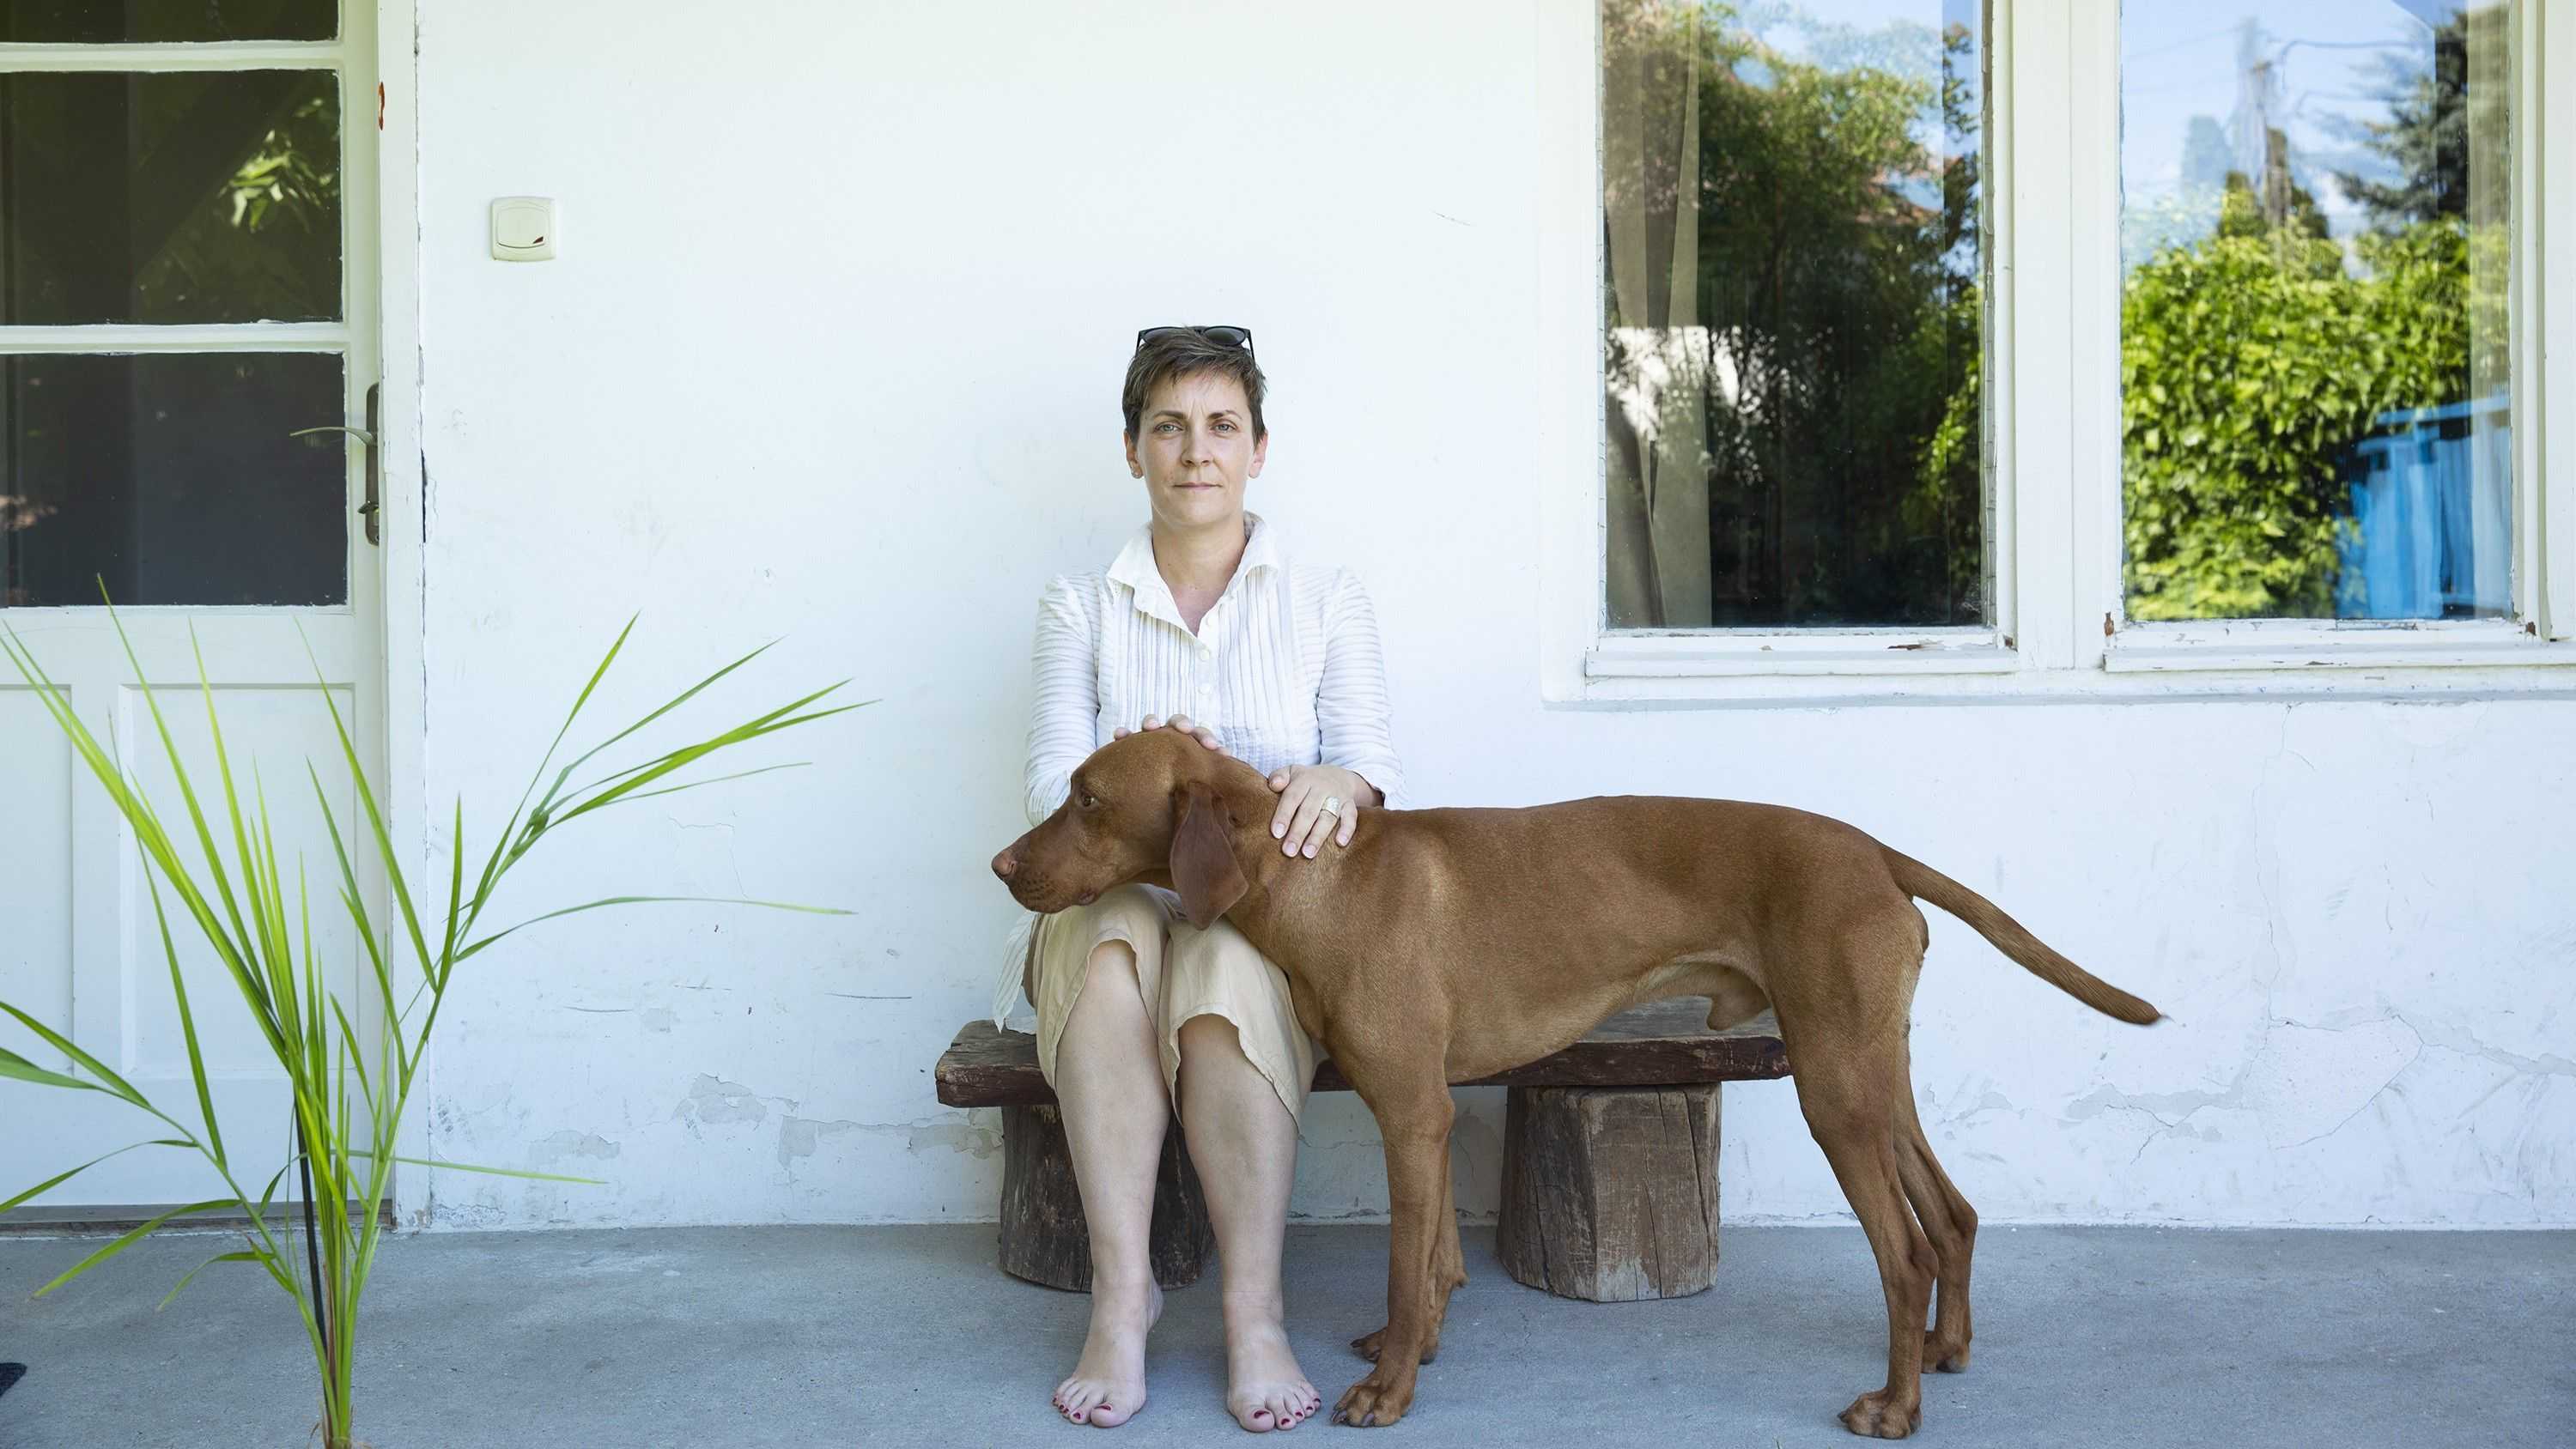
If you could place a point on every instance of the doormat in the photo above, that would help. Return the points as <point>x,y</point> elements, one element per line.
<point>10,1373</point>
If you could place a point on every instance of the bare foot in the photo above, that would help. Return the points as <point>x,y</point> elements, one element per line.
<point>1265,1390</point>
<point>1108,1386</point>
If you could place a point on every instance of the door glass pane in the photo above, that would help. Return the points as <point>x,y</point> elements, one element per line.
<point>171,476</point>
<point>91,22</point>
<point>2316,231</point>
<point>1793,211</point>
<point>189,196</point>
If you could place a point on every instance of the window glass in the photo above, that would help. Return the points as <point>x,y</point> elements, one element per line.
<point>170,197</point>
<point>1792,213</point>
<point>2316,399</point>
<point>90,22</point>
<point>170,476</point>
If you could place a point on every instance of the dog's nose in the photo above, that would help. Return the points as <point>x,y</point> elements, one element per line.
<point>1003,865</point>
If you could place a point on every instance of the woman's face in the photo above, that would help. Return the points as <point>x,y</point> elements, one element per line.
<point>1195,450</point>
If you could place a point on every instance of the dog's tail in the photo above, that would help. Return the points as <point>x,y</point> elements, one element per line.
<point>1924,883</point>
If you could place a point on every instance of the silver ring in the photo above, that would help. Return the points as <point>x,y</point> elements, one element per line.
<point>1332,804</point>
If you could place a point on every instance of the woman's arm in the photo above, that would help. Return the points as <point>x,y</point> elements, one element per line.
<point>1351,699</point>
<point>1066,712</point>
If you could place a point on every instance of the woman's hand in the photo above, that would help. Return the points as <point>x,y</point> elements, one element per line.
<point>1180,722</point>
<point>1317,801</point>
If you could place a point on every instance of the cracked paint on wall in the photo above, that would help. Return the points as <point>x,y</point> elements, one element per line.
<point>797,1136</point>
<point>974,1140</point>
<point>714,1101</point>
<point>556,1146</point>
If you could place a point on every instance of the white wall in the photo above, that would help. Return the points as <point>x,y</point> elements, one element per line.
<point>832,353</point>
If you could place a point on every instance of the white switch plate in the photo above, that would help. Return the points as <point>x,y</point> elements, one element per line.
<point>523,228</point>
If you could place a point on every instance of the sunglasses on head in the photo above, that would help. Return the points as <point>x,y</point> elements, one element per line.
<point>1221,336</point>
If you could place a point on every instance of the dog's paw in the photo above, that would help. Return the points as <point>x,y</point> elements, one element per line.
<point>1876,1415</point>
<point>1374,1402</point>
<point>1368,1344</point>
<point>1940,1353</point>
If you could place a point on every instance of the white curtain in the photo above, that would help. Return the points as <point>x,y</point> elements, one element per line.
<point>1658,356</point>
<point>2492,102</point>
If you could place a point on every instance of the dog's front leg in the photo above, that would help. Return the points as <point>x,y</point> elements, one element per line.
<point>1415,1125</point>
<point>1448,1270</point>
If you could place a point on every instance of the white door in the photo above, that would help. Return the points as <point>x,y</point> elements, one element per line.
<point>187,276</point>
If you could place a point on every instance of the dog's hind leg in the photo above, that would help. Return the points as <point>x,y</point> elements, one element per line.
<point>1852,1115</point>
<point>1951,1225</point>
<point>1844,1024</point>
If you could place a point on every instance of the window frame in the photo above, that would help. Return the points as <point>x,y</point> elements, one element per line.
<point>2053,447</point>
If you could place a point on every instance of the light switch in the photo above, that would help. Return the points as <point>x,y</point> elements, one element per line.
<point>523,228</point>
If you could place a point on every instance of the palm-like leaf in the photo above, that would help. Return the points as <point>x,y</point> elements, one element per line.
<point>264,942</point>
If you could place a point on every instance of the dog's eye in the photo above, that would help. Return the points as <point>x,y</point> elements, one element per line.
<point>1090,801</point>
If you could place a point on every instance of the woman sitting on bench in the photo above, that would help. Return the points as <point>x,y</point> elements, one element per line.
<point>1203,624</point>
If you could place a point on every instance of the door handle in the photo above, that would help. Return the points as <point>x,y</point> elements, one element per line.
<point>373,436</point>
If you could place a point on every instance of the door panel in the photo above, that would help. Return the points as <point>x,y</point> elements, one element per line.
<point>268,725</point>
<point>35,881</point>
<point>85,951</point>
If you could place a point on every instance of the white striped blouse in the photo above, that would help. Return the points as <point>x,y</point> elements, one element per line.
<point>1284,667</point>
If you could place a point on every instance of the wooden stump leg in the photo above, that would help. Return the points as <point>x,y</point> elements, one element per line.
<point>1044,1237</point>
<point>1610,1193</point>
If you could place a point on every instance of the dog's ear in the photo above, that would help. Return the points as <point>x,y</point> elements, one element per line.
<point>1203,865</point>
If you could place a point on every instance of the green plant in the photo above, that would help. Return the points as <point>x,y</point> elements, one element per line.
<point>2249,363</point>
<point>264,940</point>
<point>2254,354</point>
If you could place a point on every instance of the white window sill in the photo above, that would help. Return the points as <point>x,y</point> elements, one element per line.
<point>1838,654</point>
<point>2247,662</point>
<point>2299,647</point>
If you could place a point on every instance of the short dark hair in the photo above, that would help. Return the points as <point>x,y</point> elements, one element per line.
<point>1187,352</point>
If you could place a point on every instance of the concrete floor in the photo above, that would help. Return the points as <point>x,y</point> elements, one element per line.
<point>909,1335</point>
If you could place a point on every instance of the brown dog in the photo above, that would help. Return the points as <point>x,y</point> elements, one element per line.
<point>1446,945</point>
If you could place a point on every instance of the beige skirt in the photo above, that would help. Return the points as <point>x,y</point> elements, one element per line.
<point>1184,972</point>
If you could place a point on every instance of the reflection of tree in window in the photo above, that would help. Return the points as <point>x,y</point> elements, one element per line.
<point>1793,414</point>
<point>2318,428</point>
<point>178,197</point>
<point>269,235</point>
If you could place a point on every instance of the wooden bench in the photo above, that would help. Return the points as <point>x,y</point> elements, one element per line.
<point>1609,1157</point>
